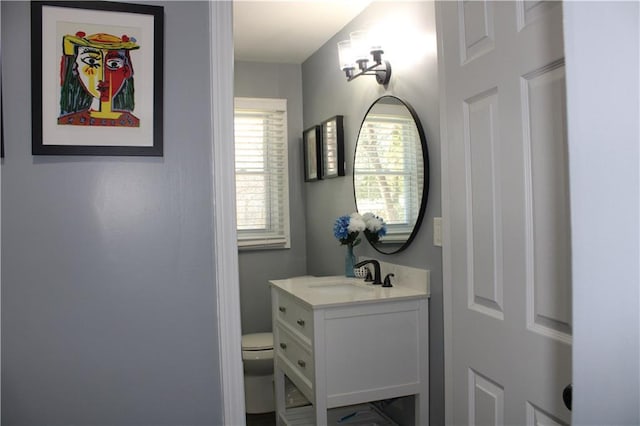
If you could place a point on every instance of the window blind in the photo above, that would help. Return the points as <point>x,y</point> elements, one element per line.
<point>262,185</point>
<point>390,171</point>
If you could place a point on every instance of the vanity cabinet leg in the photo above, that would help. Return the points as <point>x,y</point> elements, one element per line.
<point>278,378</point>
<point>321,414</point>
<point>422,408</point>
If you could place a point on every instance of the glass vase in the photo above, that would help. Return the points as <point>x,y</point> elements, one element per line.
<point>349,261</point>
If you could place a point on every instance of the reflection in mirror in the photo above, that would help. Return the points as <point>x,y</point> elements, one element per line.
<point>391,171</point>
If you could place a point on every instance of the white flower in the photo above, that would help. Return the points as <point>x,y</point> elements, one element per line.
<point>372,222</point>
<point>356,223</point>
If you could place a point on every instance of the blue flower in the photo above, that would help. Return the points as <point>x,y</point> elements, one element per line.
<point>347,228</point>
<point>341,228</point>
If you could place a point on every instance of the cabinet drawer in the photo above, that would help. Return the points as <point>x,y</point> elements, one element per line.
<point>296,355</point>
<point>296,316</point>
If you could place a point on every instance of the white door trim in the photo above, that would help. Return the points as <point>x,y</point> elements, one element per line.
<point>223,218</point>
<point>603,92</point>
<point>446,235</point>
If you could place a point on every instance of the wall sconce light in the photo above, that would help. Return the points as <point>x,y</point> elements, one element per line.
<point>356,50</point>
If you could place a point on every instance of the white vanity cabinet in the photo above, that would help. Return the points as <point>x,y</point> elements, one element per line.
<point>342,349</point>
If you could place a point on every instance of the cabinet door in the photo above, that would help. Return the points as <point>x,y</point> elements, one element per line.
<point>372,352</point>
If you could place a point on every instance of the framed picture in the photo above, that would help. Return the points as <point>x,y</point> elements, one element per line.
<point>312,153</point>
<point>1,121</point>
<point>1,116</point>
<point>1,113</point>
<point>332,147</point>
<point>97,74</point>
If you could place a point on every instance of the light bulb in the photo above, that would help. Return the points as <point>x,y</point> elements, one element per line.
<point>345,54</point>
<point>360,45</point>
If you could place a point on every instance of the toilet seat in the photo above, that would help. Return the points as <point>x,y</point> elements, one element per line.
<point>258,346</point>
<point>257,341</point>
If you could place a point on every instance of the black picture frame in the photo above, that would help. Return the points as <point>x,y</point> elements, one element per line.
<point>1,115</point>
<point>333,147</point>
<point>312,150</point>
<point>127,121</point>
<point>1,122</point>
<point>1,111</point>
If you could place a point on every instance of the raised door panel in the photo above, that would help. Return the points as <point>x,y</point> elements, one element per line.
<point>530,11</point>
<point>548,237</point>
<point>486,401</point>
<point>538,417</point>
<point>484,258</point>
<point>476,29</point>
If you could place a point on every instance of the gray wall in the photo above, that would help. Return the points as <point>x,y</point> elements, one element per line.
<point>283,81</point>
<point>108,301</point>
<point>327,93</point>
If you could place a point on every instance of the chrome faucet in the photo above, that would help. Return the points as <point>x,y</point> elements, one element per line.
<point>376,269</point>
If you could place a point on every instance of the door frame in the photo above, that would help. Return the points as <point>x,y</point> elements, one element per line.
<point>223,220</point>
<point>446,232</point>
<point>603,98</point>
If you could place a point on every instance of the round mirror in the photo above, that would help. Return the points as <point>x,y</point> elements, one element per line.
<point>391,172</point>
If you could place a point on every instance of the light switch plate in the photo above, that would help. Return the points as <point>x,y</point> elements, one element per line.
<point>437,231</point>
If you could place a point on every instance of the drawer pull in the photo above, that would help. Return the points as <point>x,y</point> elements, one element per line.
<point>283,345</point>
<point>282,309</point>
<point>301,363</point>
<point>300,322</point>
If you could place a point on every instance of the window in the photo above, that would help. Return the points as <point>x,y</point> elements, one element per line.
<point>262,183</point>
<point>389,173</point>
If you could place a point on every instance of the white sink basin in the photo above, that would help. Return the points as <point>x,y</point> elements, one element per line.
<point>340,288</point>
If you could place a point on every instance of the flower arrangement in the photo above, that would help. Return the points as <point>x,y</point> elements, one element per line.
<point>375,228</point>
<point>347,228</point>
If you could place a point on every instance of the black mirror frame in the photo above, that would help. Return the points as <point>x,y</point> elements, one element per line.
<point>425,187</point>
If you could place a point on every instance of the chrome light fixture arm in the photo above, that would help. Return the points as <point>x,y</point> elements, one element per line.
<point>355,63</point>
<point>382,71</point>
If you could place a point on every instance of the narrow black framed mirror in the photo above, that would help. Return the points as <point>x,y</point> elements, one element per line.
<point>391,171</point>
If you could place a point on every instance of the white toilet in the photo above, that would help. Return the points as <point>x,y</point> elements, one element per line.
<point>257,361</point>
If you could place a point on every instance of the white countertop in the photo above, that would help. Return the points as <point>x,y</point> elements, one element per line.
<point>322,292</point>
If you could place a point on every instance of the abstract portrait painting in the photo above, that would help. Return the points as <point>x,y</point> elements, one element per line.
<point>97,78</point>
<point>97,84</point>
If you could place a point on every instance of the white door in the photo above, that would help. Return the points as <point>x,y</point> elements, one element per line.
<point>507,252</point>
